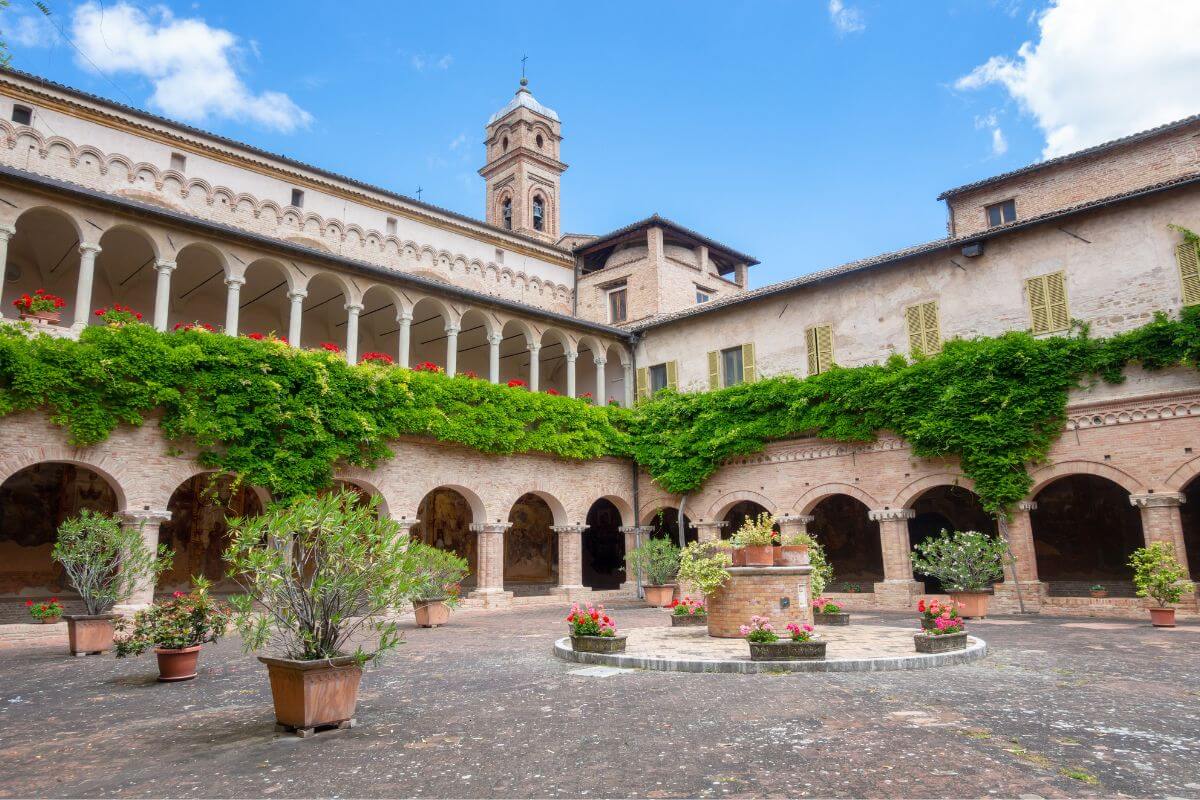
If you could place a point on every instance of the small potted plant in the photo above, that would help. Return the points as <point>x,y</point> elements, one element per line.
<point>319,573</point>
<point>766,645</point>
<point>593,631</point>
<point>1159,577</point>
<point>47,613</point>
<point>1098,590</point>
<point>794,550</point>
<point>942,627</point>
<point>688,613</point>
<point>754,539</point>
<point>966,562</point>
<point>105,562</point>
<point>851,588</point>
<point>117,314</point>
<point>41,307</point>
<point>176,628</point>
<point>438,575</point>
<point>829,612</point>
<point>657,560</point>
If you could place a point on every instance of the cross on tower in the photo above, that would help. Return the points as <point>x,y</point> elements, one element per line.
<point>523,60</point>
<point>419,190</point>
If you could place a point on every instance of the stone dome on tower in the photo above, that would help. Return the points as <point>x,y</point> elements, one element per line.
<point>524,99</point>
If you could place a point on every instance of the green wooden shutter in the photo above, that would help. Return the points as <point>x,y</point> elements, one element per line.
<point>1188,256</point>
<point>714,370</point>
<point>749,371</point>
<point>643,383</point>
<point>824,347</point>
<point>931,327</point>
<point>1039,314</point>
<point>916,333</point>
<point>810,341</point>
<point>1056,300</point>
<point>673,375</point>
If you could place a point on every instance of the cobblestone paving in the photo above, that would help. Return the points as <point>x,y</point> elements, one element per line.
<point>481,708</point>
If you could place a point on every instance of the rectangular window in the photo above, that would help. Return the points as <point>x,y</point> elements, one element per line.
<point>297,198</point>
<point>178,162</point>
<point>390,226</point>
<point>1187,255</point>
<point>703,295</point>
<point>819,339</point>
<point>499,256</point>
<point>924,333</point>
<point>1001,213</point>
<point>22,115</point>
<point>731,366</point>
<point>658,378</point>
<point>617,310</point>
<point>1047,295</point>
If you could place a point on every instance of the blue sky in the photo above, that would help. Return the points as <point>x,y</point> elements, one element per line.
<point>805,133</point>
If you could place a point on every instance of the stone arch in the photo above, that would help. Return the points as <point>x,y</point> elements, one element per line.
<point>666,523</point>
<point>722,505</point>
<point>106,466</point>
<point>324,315</point>
<point>43,254</point>
<point>378,328</point>
<point>445,515</point>
<point>264,304</point>
<point>1189,514</point>
<point>1178,480</point>
<point>842,525</point>
<point>1049,474</point>
<point>603,545</point>
<point>557,509</point>
<point>808,500</point>
<point>943,507</point>
<point>198,290</point>
<point>349,290</point>
<point>622,505</point>
<point>920,486</point>
<point>359,478</point>
<point>530,544</point>
<point>552,360</point>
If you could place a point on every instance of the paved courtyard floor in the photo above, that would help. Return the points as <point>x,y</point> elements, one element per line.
<point>481,708</point>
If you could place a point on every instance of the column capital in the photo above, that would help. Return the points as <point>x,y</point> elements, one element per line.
<point>353,308</point>
<point>1158,499</point>
<point>646,529</point>
<point>599,362</point>
<point>7,232</point>
<point>404,315</point>
<point>489,527</point>
<point>533,348</point>
<point>298,294</point>
<point>407,524</point>
<point>145,516</point>
<point>165,266</point>
<point>568,528</point>
<point>718,524</point>
<point>570,355</point>
<point>495,338</point>
<point>235,280</point>
<point>89,247</point>
<point>1027,505</point>
<point>890,514</point>
<point>452,329</point>
<point>802,519</point>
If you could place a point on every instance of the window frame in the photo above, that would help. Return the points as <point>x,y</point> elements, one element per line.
<point>622,290</point>
<point>506,213</point>
<point>726,353</point>
<point>538,213</point>
<point>24,110</point>
<point>707,293</point>
<point>651,371</point>
<point>1001,208</point>
<point>179,162</point>
<point>297,195</point>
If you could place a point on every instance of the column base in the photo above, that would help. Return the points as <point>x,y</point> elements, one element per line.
<point>129,609</point>
<point>900,595</point>
<point>491,598</point>
<point>1005,601</point>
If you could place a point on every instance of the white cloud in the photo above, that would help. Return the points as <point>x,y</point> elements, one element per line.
<point>991,122</point>
<point>189,63</point>
<point>1101,69</point>
<point>458,141</point>
<point>31,30</point>
<point>421,62</point>
<point>846,19</point>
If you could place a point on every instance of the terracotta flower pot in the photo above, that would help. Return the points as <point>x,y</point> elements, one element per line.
<point>776,554</point>
<point>313,694</point>
<point>759,556</point>
<point>43,318</point>
<point>89,634</point>
<point>177,665</point>
<point>660,596</point>
<point>738,557</point>
<point>598,644</point>
<point>972,605</point>
<point>1162,617</point>
<point>1098,593</point>
<point>792,555</point>
<point>51,620</point>
<point>431,613</point>
<point>944,643</point>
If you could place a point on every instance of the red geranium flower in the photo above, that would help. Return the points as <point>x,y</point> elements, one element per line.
<point>258,337</point>
<point>331,347</point>
<point>28,602</point>
<point>382,358</point>
<point>551,391</point>
<point>469,373</point>
<point>516,383</point>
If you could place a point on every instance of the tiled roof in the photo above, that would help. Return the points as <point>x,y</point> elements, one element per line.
<point>660,221</point>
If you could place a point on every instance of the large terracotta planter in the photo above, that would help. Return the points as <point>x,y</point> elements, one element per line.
<point>313,694</point>
<point>89,635</point>
<point>787,650</point>
<point>43,318</point>
<point>431,613</point>
<point>759,556</point>
<point>660,596</point>
<point>688,620</point>
<point>792,555</point>
<point>1162,617</point>
<point>945,643</point>
<point>737,557</point>
<point>972,605</point>
<point>177,665</point>
<point>598,644</point>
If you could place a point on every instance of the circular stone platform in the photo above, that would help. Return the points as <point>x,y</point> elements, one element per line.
<point>854,648</point>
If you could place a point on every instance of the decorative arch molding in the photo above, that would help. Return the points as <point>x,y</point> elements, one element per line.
<point>57,211</point>
<point>721,506</point>
<point>1047,475</point>
<point>106,466</point>
<point>914,490</point>
<point>808,501</point>
<point>624,508</point>
<point>1182,476</point>
<point>648,511</point>
<point>557,509</point>
<point>478,510</point>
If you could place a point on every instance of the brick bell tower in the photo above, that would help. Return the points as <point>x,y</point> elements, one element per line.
<point>522,169</point>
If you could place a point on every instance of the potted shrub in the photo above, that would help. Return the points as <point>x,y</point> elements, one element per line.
<point>319,573</point>
<point>1159,577</point>
<point>105,562</point>
<point>438,575</point>
<point>829,612</point>
<point>41,307</point>
<point>754,538</point>
<point>593,631</point>
<point>794,550</point>
<point>47,613</point>
<point>767,645</point>
<point>657,560</point>
<point>966,562</point>
<point>822,571</point>
<point>1098,590</point>
<point>942,627</point>
<point>176,628</point>
<point>705,565</point>
<point>688,613</point>
<point>852,588</point>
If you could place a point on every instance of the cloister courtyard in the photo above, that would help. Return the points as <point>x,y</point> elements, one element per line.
<point>480,708</point>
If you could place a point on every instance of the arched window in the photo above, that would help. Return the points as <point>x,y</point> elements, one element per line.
<point>504,143</point>
<point>539,141</point>
<point>539,213</point>
<point>506,213</point>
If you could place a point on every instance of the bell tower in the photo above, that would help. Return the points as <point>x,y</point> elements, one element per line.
<point>522,169</point>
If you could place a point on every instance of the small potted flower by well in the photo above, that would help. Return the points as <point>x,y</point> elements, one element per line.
<point>322,577</point>
<point>1098,590</point>
<point>105,562</point>
<point>829,612</point>
<point>800,643</point>
<point>1158,577</point>
<point>438,575</point>
<point>176,628</point>
<point>967,563</point>
<point>688,613</point>
<point>41,307</point>
<point>754,539</point>
<point>942,627</point>
<point>593,631</point>
<point>657,561</point>
<point>45,613</point>
<point>794,550</point>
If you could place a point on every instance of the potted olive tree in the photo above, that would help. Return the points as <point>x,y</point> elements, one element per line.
<point>105,562</point>
<point>657,561</point>
<point>321,575</point>
<point>1158,576</point>
<point>176,628</point>
<point>438,574</point>
<point>966,562</point>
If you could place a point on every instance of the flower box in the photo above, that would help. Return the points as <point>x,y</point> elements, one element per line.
<point>840,618</point>
<point>688,620</point>
<point>598,644</point>
<point>88,635</point>
<point>791,555</point>
<point>944,643</point>
<point>787,650</point>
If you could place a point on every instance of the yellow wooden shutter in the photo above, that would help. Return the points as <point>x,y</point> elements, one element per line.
<point>810,341</point>
<point>916,332</point>
<point>673,375</point>
<point>1188,256</point>
<point>749,372</point>
<point>714,370</point>
<point>931,327</point>
<point>1056,301</point>
<point>824,347</point>
<point>1039,315</point>
<point>643,383</point>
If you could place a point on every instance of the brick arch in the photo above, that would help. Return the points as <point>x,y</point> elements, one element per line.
<point>623,507</point>
<point>557,509</point>
<point>361,478</point>
<point>1043,477</point>
<point>809,499</point>
<point>721,505</point>
<point>177,472</point>
<point>646,515</point>
<point>106,466</point>
<point>914,490</point>
<point>478,510</point>
<point>1181,477</point>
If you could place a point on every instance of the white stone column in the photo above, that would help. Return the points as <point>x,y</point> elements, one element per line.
<point>793,524</point>
<point>451,349</point>
<point>352,312</point>
<point>898,588</point>
<point>1162,521</point>
<point>404,319</point>
<point>83,288</point>
<point>571,355</point>
<point>233,299</point>
<point>162,293</point>
<point>601,384</point>
<point>489,564</point>
<point>147,521</point>
<point>629,385</point>
<point>570,560</point>
<point>534,366</point>
<point>296,313</point>
<point>494,340</point>
<point>6,233</point>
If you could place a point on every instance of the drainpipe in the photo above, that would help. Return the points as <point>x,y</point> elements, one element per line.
<point>634,473</point>
<point>681,526</point>
<point>1002,525</point>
